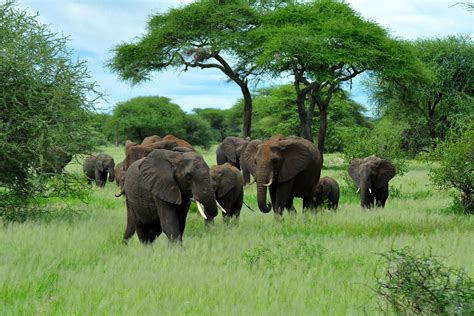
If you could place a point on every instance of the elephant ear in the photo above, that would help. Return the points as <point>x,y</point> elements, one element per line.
<point>296,158</point>
<point>227,180</point>
<point>354,170</point>
<point>386,171</point>
<point>228,148</point>
<point>157,171</point>
<point>247,156</point>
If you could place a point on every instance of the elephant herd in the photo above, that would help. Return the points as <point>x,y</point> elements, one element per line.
<point>162,176</point>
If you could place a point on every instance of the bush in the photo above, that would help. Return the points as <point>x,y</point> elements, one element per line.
<point>382,141</point>
<point>455,167</point>
<point>422,285</point>
<point>45,106</point>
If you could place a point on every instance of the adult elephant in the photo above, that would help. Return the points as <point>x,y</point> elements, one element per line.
<point>327,190</point>
<point>151,139</point>
<point>180,142</point>
<point>136,152</point>
<point>228,186</point>
<point>289,167</point>
<point>119,174</point>
<point>371,175</point>
<point>97,167</point>
<point>230,150</point>
<point>158,191</point>
<point>247,160</point>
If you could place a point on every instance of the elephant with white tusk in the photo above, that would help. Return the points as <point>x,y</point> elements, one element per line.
<point>371,175</point>
<point>158,191</point>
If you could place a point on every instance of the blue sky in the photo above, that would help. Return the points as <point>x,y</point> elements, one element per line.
<point>95,27</point>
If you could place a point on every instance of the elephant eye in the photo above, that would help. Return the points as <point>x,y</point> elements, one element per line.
<point>188,177</point>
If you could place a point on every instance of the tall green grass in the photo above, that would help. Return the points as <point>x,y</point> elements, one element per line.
<point>324,263</point>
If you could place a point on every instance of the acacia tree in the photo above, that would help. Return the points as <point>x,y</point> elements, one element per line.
<point>432,107</point>
<point>205,34</point>
<point>323,44</point>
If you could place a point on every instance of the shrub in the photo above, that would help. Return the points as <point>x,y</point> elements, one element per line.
<point>45,100</point>
<point>422,285</point>
<point>455,167</point>
<point>382,141</point>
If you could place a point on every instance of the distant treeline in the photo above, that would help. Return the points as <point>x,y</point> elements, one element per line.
<point>274,113</point>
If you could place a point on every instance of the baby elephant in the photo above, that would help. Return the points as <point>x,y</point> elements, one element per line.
<point>97,167</point>
<point>327,189</point>
<point>228,185</point>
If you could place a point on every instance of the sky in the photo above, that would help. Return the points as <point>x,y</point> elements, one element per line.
<point>94,27</point>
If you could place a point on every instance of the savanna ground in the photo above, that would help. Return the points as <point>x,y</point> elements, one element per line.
<point>306,264</point>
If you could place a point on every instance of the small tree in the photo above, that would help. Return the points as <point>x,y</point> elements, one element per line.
<point>454,168</point>
<point>44,100</point>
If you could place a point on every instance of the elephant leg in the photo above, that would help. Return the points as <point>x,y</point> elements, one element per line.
<point>130,229</point>
<point>289,205</point>
<point>170,221</point>
<point>273,190</point>
<point>154,232</point>
<point>143,232</point>
<point>182,214</point>
<point>283,195</point>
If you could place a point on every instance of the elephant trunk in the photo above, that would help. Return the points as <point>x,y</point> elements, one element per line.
<point>262,198</point>
<point>365,195</point>
<point>207,198</point>
<point>111,175</point>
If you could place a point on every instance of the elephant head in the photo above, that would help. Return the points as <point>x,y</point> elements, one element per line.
<point>170,174</point>
<point>280,160</point>
<point>104,163</point>
<point>370,175</point>
<point>230,150</point>
<point>224,178</point>
<point>247,159</point>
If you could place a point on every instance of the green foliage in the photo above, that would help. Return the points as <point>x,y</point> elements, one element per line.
<point>382,141</point>
<point>198,131</point>
<point>144,116</point>
<point>421,285</point>
<point>275,113</point>
<point>45,103</point>
<point>431,107</point>
<point>221,123</point>
<point>454,167</point>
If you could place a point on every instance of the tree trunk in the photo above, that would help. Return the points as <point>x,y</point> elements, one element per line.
<point>323,123</point>
<point>247,126</point>
<point>305,123</point>
<point>431,126</point>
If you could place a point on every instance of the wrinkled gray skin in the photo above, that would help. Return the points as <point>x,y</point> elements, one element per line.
<point>230,150</point>
<point>228,186</point>
<point>97,167</point>
<point>247,159</point>
<point>327,190</point>
<point>119,175</point>
<point>294,167</point>
<point>374,173</point>
<point>158,191</point>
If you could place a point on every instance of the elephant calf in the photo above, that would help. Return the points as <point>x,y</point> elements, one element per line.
<point>228,186</point>
<point>96,167</point>
<point>327,189</point>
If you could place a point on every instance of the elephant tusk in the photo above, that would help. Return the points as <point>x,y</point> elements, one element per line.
<point>221,208</point>
<point>370,191</point>
<point>269,183</point>
<point>201,209</point>
<point>358,189</point>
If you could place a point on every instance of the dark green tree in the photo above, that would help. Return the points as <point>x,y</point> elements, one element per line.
<point>205,34</point>
<point>45,100</point>
<point>144,116</point>
<point>432,107</point>
<point>324,44</point>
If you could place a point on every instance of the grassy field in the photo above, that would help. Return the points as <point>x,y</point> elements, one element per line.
<point>306,264</point>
